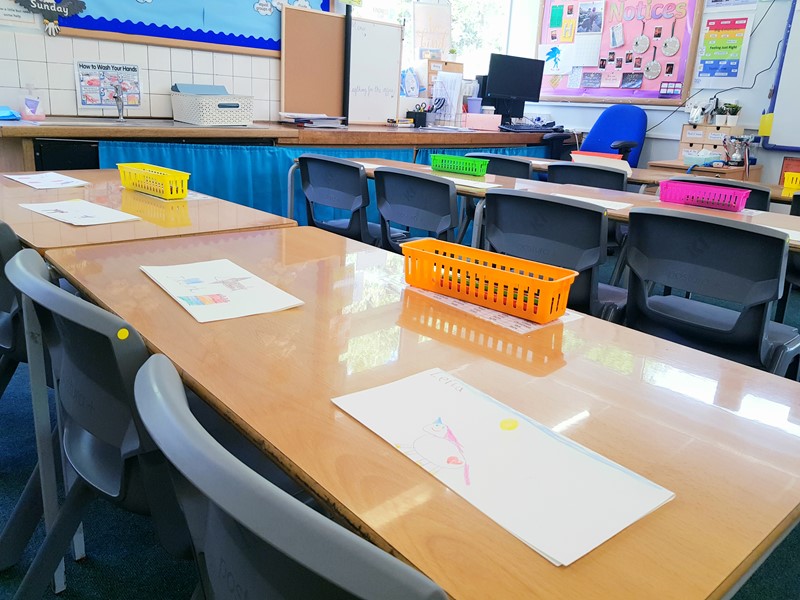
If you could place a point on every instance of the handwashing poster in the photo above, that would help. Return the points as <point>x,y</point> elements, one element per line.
<point>616,48</point>
<point>96,84</point>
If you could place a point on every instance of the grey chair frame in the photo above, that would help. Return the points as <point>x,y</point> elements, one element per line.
<point>286,548</point>
<point>792,269</point>
<point>557,169</point>
<point>503,164</point>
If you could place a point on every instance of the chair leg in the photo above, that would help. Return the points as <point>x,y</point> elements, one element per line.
<point>8,366</point>
<point>622,259</point>
<point>783,303</point>
<point>55,545</point>
<point>24,519</point>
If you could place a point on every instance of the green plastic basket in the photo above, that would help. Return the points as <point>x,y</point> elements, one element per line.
<point>459,164</point>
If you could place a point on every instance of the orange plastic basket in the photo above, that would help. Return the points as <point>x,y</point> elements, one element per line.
<point>523,288</point>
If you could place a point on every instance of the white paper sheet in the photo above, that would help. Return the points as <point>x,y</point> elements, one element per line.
<point>80,212</point>
<point>48,181</point>
<point>510,322</point>
<point>220,289</point>
<point>607,204</point>
<point>468,183</point>
<point>560,498</point>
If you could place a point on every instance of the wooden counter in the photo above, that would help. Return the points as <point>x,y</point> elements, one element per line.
<point>17,153</point>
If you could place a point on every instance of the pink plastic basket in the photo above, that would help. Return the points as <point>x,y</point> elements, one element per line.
<point>707,196</point>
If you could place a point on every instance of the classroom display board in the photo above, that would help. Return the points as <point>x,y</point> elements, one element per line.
<point>375,55</point>
<point>618,50</point>
<point>785,133</point>
<point>255,24</point>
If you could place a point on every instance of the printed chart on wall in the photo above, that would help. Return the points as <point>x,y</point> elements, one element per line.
<point>253,24</point>
<point>723,45</point>
<point>615,49</point>
<point>96,84</point>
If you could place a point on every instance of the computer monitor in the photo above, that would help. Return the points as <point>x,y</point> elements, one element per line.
<point>512,81</point>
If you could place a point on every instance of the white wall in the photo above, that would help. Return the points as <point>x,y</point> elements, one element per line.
<point>28,56</point>
<point>662,140</point>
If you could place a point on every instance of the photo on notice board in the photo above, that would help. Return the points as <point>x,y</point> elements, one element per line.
<point>632,80</point>
<point>590,17</point>
<point>591,80</point>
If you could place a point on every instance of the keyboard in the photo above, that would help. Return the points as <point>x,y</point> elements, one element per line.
<point>526,128</point>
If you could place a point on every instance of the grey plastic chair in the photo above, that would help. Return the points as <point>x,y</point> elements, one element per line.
<point>340,184</point>
<point>12,332</point>
<point>758,199</point>
<point>247,531</point>
<point>417,201</point>
<point>739,264</point>
<point>558,231</point>
<point>792,269</point>
<point>509,166</point>
<point>95,359</point>
<point>589,175</point>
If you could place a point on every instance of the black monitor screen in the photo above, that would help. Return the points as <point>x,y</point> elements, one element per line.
<point>514,78</point>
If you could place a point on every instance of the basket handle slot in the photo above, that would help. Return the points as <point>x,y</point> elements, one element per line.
<point>228,105</point>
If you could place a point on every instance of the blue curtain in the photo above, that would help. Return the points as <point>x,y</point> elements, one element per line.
<point>254,176</point>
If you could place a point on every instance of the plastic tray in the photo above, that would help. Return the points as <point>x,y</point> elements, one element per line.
<point>523,288</point>
<point>791,183</point>
<point>459,164</point>
<point>707,196</point>
<point>151,179</point>
<point>697,160</point>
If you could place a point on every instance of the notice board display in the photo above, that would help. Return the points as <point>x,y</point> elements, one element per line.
<point>254,25</point>
<point>785,133</point>
<point>638,51</point>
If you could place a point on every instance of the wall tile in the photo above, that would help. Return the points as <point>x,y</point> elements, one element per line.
<point>159,58</point>
<point>86,50</point>
<point>224,80</point>
<point>33,73</point>
<point>160,106</point>
<point>261,89</point>
<point>202,62</point>
<point>143,110</point>
<point>136,54</point>
<point>112,52</point>
<point>223,64</point>
<point>8,47</point>
<point>30,46</point>
<point>160,82</point>
<point>204,78</point>
<point>182,77</point>
<point>260,67</point>
<point>90,112</point>
<point>63,102</point>
<point>274,90</point>
<point>274,108</point>
<point>242,66</point>
<point>274,68</point>
<point>9,74</point>
<point>243,86</point>
<point>59,49</point>
<point>261,110</point>
<point>60,77</point>
<point>181,59</point>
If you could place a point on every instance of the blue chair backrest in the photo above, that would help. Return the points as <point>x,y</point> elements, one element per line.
<point>618,122</point>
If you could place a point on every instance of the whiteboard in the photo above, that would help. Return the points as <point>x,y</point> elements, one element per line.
<point>785,133</point>
<point>375,53</point>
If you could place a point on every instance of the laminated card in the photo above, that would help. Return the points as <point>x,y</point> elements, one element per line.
<point>561,499</point>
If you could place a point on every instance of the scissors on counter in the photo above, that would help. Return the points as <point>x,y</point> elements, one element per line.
<point>422,107</point>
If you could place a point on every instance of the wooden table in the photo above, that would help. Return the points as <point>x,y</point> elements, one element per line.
<point>198,214</point>
<point>678,167</point>
<point>769,219</point>
<point>686,420</point>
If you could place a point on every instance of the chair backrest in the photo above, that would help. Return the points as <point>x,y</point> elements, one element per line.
<point>250,534</point>
<point>12,332</point>
<point>337,184</point>
<point>733,262</point>
<point>589,175</point>
<point>620,122</point>
<point>758,199</point>
<point>558,231</point>
<point>509,166</point>
<point>794,210</point>
<point>99,355</point>
<point>417,201</point>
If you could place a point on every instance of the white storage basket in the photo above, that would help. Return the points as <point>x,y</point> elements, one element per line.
<point>211,110</point>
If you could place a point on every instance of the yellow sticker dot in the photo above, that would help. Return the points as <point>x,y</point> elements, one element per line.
<point>123,334</point>
<point>509,424</point>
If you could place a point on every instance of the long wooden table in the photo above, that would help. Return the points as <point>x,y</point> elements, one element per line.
<point>769,219</point>
<point>722,436</point>
<point>198,214</point>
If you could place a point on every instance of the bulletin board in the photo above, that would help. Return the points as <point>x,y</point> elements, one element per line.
<point>252,27</point>
<point>638,51</point>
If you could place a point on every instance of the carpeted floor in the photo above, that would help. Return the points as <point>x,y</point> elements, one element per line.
<point>125,561</point>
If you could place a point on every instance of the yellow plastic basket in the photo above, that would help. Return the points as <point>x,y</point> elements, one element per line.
<point>791,183</point>
<point>523,288</point>
<point>459,164</point>
<point>168,184</point>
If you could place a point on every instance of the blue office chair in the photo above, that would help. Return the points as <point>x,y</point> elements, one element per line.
<point>618,129</point>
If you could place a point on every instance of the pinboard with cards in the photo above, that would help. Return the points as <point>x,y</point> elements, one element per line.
<point>637,51</point>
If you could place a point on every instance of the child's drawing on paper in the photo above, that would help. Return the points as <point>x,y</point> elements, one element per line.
<point>438,448</point>
<point>554,56</point>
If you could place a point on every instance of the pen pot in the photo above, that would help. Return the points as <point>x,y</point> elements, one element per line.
<point>418,116</point>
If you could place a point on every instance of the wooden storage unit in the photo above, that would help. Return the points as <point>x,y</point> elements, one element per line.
<point>428,69</point>
<point>705,137</point>
<point>724,172</point>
